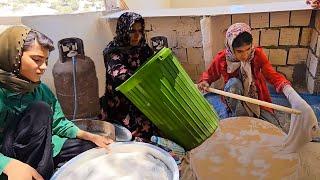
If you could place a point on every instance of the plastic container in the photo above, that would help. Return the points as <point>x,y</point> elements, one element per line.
<point>175,148</point>
<point>164,92</point>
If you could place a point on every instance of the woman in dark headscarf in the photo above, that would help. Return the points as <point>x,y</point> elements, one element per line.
<point>122,56</point>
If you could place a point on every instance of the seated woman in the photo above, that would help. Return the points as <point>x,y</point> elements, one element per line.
<point>239,143</point>
<point>35,136</point>
<point>122,56</point>
<point>245,70</point>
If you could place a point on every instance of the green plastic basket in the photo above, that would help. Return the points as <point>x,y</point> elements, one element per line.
<point>164,92</point>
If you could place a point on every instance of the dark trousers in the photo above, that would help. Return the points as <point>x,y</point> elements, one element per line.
<point>236,107</point>
<point>70,149</point>
<point>27,138</point>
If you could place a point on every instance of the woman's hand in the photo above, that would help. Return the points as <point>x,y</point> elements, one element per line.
<point>202,86</point>
<point>17,170</point>
<point>100,141</point>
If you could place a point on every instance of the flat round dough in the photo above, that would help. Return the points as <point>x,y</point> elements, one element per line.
<point>244,148</point>
<point>122,161</point>
<point>122,166</point>
<point>309,161</point>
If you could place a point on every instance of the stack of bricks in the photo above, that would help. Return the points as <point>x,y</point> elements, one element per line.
<point>313,65</point>
<point>285,37</point>
<point>184,38</point>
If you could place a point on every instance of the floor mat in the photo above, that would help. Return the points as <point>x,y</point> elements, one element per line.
<point>312,100</point>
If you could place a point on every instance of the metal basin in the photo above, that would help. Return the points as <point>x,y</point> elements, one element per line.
<point>72,166</point>
<point>97,127</point>
<point>113,131</point>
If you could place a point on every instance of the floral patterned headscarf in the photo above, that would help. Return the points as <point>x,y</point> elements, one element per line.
<point>232,33</point>
<point>233,64</point>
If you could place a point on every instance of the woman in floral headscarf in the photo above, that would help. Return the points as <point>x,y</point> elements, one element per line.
<point>233,148</point>
<point>122,56</point>
<point>245,70</point>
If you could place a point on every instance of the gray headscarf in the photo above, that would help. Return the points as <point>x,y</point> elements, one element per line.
<point>12,39</point>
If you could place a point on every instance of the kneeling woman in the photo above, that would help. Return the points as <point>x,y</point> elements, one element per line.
<point>245,70</point>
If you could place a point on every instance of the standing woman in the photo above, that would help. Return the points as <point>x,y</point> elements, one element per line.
<point>122,57</point>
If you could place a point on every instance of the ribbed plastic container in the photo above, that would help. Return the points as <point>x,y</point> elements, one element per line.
<point>164,92</point>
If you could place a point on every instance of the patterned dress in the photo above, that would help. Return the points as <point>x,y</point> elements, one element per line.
<point>121,61</point>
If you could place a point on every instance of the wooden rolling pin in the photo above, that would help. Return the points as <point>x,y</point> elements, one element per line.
<point>254,101</point>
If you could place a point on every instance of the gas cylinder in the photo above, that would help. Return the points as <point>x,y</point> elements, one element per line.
<point>74,69</point>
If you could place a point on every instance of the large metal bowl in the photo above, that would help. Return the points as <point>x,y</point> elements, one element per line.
<point>73,164</point>
<point>97,127</point>
<point>113,131</point>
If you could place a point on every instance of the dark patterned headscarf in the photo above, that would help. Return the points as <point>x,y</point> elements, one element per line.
<point>122,39</point>
<point>124,26</point>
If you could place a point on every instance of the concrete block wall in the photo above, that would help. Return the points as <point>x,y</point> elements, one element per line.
<point>184,38</point>
<point>290,41</point>
<point>313,65</point>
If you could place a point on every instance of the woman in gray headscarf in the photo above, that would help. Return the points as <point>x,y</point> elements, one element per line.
<point>35,136</point>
